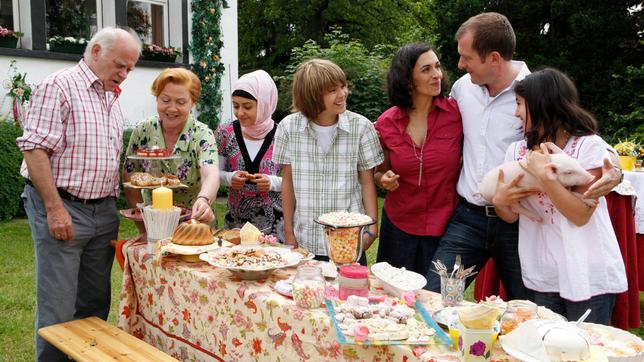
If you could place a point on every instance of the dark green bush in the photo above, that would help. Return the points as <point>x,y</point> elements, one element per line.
<point>11,183</point>
<point>365,70</point>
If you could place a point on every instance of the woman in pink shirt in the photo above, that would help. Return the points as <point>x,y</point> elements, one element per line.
<point>422,137</point>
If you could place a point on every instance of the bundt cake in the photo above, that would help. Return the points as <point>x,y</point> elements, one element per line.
<point>192,233</point>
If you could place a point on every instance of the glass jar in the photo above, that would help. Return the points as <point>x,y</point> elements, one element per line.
<point>308,287</point>
<point>354,280</point>
<point>518,311</point>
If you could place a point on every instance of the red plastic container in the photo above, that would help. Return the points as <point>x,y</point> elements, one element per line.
<point>354,280</point>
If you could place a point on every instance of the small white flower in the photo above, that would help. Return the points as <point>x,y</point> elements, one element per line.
<point>7,84</point>
<point>70,39</point>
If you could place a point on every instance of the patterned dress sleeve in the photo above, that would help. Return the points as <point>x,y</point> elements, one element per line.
<point>207,146</point>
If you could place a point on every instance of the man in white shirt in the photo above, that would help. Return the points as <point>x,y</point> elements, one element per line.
<point>486,99</point>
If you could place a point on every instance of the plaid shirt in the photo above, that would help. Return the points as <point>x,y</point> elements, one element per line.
<point>325,182</point>
<point>81,127</point>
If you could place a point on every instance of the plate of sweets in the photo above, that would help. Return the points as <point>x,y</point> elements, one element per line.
<point>387,322</point>
<point>250,262</point>
<point>190,239</point>
<point>154,152</point>
<point>145,180</point>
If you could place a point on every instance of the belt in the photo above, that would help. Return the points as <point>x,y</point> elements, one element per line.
<point>487,210</point>
<point>67,196</point>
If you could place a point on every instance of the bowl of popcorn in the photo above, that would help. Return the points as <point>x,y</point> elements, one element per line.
<point>343,232</point>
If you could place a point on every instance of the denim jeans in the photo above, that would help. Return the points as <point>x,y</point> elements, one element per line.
<point>400,249</point>
<point>476,238</point>
<point>601,306</point>
<point>72,277</point>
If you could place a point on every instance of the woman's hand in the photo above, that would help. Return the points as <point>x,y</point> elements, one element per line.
<point>368,239</point>
<point>389,181</point>
<point>262,181</point>
<point>510,193</point>
<point>537,164</point>
<point>239,179</point>
<point>202,211</point>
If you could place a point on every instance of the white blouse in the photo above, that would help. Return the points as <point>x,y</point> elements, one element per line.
<point>559,256</point>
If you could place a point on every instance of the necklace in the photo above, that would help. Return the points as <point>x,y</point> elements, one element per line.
<point>417,156</point>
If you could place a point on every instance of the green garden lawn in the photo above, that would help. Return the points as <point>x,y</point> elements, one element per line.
<point>17,287</point>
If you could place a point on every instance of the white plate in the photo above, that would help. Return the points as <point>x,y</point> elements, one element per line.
<point>616,335</point>
<point>396,281</point>
<point>170,247</point>
<point>211,256</point>
<point>130,186</point>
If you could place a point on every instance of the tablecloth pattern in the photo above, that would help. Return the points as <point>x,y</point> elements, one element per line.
<point>637,182</point>
<point>196,312</point>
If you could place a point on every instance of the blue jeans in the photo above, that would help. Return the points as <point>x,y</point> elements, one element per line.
<point>72,277</point>
<point>601,306</point>
<point>476,238</point>
<point>400,249</point>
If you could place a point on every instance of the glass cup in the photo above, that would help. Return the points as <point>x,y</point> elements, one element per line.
<point>344,244</point>
<point>452,290</point>
<point>517,312</point>
<point>308,287</point>
<point>638,165</point>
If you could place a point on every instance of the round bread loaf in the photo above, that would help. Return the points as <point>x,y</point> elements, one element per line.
<point>231,236</point>
<point>192,233</point>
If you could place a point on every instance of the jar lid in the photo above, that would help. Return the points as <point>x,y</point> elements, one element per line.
<point>354,271</point>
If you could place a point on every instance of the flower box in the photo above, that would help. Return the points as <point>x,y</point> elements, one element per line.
<point>8,42</point>
<point>67,48</point>
<point>627,163</point>
<point>159,57</point>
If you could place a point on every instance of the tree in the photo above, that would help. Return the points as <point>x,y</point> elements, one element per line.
<point>365,73</point>
<point>270,29</point>
<point>590,41</point>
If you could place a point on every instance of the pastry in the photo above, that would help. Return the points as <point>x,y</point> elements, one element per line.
<point>249,234</point>
<point>192,233</point>
<point>231,236</point>
<point>146,179</point>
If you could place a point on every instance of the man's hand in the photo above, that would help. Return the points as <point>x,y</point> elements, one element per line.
<point>510,193</point>
<point>289,239</point>
<point>60,223</point>
<point>239,179</point>
<point>611,176</point>
<point>389,181</point>
<point>201,211</point>
<point>262,181</point>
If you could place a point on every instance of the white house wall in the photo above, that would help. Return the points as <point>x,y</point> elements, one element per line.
<point>137,102</point>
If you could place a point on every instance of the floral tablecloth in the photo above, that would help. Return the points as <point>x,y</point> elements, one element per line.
<point>196,312</point>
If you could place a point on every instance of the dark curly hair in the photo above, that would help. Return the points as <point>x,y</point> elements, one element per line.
<point>400,76</point>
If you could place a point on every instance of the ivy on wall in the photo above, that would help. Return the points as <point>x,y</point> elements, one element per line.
<point>206,50</point>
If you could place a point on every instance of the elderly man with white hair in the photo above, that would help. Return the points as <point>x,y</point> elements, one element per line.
<point>72,143</point>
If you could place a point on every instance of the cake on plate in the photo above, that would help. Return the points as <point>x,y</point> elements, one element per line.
<point>192,233</point>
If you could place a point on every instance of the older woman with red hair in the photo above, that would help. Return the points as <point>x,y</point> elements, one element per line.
<point>175,129</point>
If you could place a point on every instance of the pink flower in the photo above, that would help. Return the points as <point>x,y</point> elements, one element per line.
<point>477,349</point>
<point>360,332</point>
<point>409,298</point>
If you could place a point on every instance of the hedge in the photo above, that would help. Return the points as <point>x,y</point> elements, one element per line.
<point>11,183</point>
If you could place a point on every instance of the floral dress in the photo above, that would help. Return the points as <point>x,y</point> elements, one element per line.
<point>196,147</point>
<point>264,210</point>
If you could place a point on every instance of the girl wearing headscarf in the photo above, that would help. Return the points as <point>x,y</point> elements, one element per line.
<point>245,157</point>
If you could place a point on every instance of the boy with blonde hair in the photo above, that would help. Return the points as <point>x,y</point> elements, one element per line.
<point>328,155</point>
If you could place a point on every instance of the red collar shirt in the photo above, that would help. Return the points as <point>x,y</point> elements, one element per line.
<point>423,210</point>
<point>81,127</point>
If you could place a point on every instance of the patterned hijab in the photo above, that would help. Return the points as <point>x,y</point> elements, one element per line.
<point>261,86</point>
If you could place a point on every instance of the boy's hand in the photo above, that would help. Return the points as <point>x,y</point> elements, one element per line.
<point>289,239</point>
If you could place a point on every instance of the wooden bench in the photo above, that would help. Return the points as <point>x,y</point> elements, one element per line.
<point>93,339</point>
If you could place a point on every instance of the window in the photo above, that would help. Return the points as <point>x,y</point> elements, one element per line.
<point>146,17</point>
<point>6,14</point>
<point>75,18</point>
